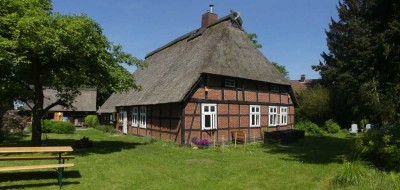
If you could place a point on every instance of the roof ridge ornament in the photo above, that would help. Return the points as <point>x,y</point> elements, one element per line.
<point>236,14</point>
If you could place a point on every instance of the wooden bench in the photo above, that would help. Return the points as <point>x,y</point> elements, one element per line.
<point>238,136</point>
<point>58,167</point>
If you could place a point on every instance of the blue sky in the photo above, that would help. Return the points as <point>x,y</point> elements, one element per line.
<point>292,32</point>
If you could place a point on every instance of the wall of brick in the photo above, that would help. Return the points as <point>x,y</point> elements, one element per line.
<point>163,121</point>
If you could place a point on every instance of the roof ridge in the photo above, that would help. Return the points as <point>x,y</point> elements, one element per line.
<point>195,33</point>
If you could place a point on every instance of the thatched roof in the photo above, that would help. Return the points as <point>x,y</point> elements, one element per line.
<point>109,104</point>
<point>222,48</point>
<point>85,102</point>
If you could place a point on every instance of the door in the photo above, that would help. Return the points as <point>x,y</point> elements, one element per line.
<point>125,122</point>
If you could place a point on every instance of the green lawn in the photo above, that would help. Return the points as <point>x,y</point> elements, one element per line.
<point>129,162</point>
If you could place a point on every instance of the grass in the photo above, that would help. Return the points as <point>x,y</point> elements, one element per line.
<point>129,162</point>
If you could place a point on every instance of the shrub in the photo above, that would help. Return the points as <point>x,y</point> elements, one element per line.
<point>63,128</point>
<point>331,126</point>
<point>91,120</point>
<point>59,127</point>
<point>315,105</point>
<point>352,173</point>
<point>381,146</point>
<point>309,127</point>
<point>12,122</point>
<point>105,128</point>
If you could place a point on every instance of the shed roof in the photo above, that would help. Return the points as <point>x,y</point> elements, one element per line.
<point>109,104</point>
<point>85,102</point>
<point>222,48</point>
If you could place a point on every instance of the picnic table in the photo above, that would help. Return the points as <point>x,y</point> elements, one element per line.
<point>59,150</point>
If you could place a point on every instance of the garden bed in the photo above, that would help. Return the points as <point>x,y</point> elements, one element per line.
<point>283,137</point>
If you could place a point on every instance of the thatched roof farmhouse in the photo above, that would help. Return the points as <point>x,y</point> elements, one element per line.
<point>206,84</point>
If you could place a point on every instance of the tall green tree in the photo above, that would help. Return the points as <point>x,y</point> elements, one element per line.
<point>315,105</point>
<point>362,67</point>
<point>40,48</point>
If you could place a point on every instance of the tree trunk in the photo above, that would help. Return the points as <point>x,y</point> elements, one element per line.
<point>36,130</point>
<point>37,115</point>
<point>37,110</point>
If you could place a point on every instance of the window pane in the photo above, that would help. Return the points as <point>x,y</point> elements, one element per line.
<point>207,121</point>
<point>206,108</point>
<point>252,119</point>
<point>257,120</point>
<point>212,108</point>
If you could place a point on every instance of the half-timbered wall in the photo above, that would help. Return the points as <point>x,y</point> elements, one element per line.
<point>233,108</point>
<point>162,121</point>
<point>233,114</point>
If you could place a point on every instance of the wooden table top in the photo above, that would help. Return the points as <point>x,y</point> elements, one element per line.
<point>5,150</point>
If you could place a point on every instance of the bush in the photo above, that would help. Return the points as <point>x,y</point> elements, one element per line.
<point>352,173</point>
<point>315,105</point>
<point>59,127</point>
<point>105,128</point>
<point>12,122</point>
<point>91,121</point>
<point>309,127</point>
<point>331,126</point>
<point>381,146</point>
<point>63,128</point>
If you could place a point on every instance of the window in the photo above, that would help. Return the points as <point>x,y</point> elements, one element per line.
<point>275,118</point>
<point>230,83</point>
<point>208,116</point>
<point>120,116</point>
<point>255,116</point>
<point>272,116</point>
<point>283,115</point>
<point>274,88</point>
<point>135,116</point>
<point>142,117</point>
<point>111,118</point>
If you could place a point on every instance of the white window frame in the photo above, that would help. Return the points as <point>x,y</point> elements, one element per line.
<point>255,113</point>
<point>272,116</point>
<point>142,117</point>
<point>135,117</point>
<point>230,83</point>
<point>206,110</point>
<point>283,112</point>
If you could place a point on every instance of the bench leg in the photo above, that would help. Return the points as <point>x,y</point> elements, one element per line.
<point>60,171</point>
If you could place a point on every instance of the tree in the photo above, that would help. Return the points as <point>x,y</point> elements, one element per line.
<point>40,49</point>
<point>315,105</point>
<point>253,37</point>
<point>281,68</point>
<point>362,67</point>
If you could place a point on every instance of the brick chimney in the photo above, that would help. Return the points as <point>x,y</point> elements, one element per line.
<point>302,78</point>
<point>209,17</point>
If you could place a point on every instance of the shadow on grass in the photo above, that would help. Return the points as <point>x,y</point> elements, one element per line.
<point>23,186</point>
<point>15,140</point>
<point>314,149</point>
<point>99,147</point>
<point>37,175</point>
